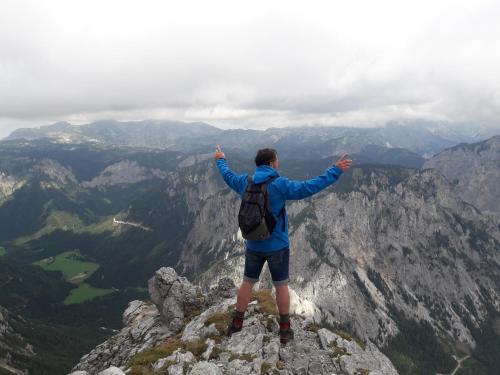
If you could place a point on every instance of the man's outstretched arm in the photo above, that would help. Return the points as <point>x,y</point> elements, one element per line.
<point>302,189</point>
<point>234,181</point>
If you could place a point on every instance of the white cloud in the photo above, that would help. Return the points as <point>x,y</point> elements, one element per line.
<point>257,64</point>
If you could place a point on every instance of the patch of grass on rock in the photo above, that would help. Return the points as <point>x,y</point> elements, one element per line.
<point>221,320</point>
<point>265,367</point>
<point>265,301</point>
<point>362,371</point>
<point>147,357</point>
<point>338,351</point>
<point>196,347</point>
<point>312,327</point>
<point>216,352</point>
<point>349,337</point>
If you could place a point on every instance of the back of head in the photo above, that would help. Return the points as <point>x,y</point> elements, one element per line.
<point>265,156</point>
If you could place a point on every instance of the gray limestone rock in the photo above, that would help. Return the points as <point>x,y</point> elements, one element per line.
<point>177,369</point>
<point>112,371</point>
<point>205,368</point>
<point>196,328</point>
<point>181,357</point>
<point>143,329</point>
<point>353,357</point>
<point>210,348</point>
<point>225,289</point>
<point>249,340</point>
<point>175,297</point>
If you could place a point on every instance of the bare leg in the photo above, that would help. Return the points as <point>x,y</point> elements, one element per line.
<point>244,295</point>
<point>283,299</point>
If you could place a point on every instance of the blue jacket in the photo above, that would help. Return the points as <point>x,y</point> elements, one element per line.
<point>280,190</point>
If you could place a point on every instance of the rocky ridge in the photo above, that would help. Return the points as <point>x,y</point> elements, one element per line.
<point>475,171</point>
<point>420,136</point>
<point>124,172</point>
<point>182,332</point>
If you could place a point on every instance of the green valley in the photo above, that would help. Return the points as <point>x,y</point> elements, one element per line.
<point>75,270</point>
<point>85,292</point>
<point>71,264</point>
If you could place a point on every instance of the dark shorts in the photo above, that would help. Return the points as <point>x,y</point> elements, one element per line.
<point>276,260</point>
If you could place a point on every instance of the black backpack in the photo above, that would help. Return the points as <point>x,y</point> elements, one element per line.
<point>255,218</point>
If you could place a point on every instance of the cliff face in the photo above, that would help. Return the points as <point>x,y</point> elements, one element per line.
<point>8,185</point>
<point>183,333</point>
<point>14,350</point>
<point>475,171</point>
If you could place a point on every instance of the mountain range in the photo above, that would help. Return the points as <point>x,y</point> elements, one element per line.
<point>401,244</point>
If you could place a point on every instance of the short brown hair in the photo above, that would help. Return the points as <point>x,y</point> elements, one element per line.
<point>265,156</point>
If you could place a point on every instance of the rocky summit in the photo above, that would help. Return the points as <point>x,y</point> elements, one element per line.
<point>182,331</point>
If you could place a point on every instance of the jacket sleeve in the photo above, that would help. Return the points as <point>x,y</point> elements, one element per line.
<point>236,182</point>
<point>292,189</point>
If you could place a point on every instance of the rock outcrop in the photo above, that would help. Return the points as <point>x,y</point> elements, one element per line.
<point>149,342</point>
<point>176,298</point>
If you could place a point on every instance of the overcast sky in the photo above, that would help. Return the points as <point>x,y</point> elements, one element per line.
<point>249,63</point>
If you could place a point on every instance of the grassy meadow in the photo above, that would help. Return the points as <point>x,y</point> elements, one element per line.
<point>75,270</point>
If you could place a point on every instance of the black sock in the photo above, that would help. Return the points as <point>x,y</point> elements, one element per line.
<point>285,318</point>
<point>284,321</point>
<point>238,314</point>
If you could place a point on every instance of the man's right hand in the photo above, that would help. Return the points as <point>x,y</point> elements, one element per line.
<point>218,153</point>
<point>343,163</point>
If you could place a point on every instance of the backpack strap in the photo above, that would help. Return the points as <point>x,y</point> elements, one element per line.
<point>263,187</point>
<point>250,182</point>
<point>271,179</point>
<point>282,211</point>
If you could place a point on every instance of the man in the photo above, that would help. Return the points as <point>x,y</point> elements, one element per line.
<point>275,249</point>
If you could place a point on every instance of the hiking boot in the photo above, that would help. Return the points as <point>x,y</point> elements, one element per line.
<point>286,332</point>
<point>236,324</point>
<point>286,335</point>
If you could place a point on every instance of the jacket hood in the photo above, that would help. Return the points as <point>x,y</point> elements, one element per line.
<point>264,173</point>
